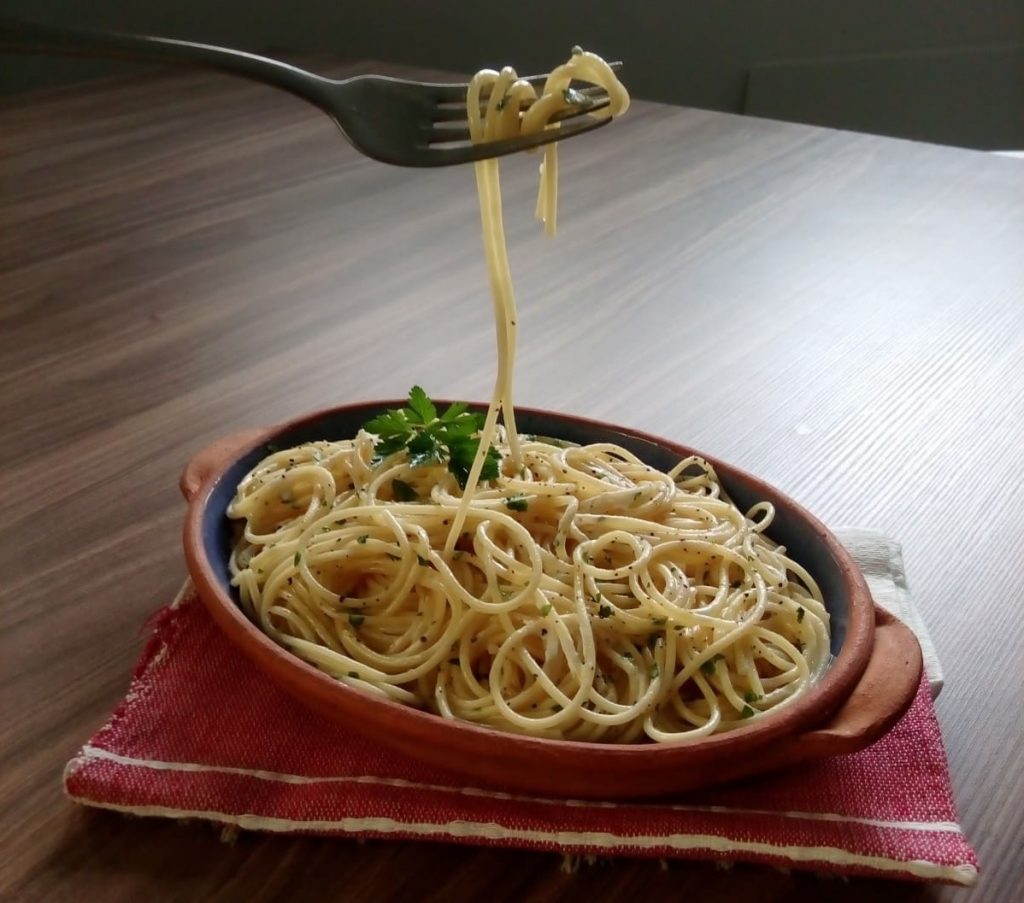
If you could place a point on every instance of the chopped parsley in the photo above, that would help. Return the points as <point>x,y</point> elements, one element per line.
<point>428,439</point>
<point>297,558</point>
<point>605,611</point>
<point>516,502</point>
<point>751,696</point>
<point>545,610</point>
<point>354,674</point>
<point>747,712</point>
<point>654,671</point>
<point>800,614</point>
<point>362,539</point>
<point>711,664</point>
<point>356,619</point>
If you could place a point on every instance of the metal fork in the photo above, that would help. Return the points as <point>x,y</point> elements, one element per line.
<point>393,120</point>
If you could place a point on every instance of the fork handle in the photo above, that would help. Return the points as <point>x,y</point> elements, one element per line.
<point>32,37</point>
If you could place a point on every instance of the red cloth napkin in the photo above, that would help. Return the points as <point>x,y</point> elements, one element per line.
<point>203,734</point>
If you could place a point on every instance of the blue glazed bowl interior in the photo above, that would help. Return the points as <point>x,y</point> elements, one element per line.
<point>801,539</point>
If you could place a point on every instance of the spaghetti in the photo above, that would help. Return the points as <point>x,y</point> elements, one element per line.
<point>578,594</point>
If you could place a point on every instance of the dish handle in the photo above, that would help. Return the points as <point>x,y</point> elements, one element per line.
<point>881,697</point>
<point>215,457</point>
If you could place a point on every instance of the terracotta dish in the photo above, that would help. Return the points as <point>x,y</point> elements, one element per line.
<point>873,677</point>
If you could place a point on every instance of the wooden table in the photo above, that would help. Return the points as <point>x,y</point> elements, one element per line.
<point>185,255</point>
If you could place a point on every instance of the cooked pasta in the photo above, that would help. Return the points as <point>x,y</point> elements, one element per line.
<point>571,592</point>
<point>501,105</point>
<point>588,596</point>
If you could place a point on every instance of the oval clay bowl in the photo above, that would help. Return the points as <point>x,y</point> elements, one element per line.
<point>874,675</point>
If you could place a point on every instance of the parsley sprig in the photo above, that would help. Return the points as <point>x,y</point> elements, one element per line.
<point>450,438</point>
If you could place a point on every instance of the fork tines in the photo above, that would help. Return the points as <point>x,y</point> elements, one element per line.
<point>450,124</point>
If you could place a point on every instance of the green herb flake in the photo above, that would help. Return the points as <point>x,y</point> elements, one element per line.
<point>297,558</point>
<point>424,450</point>
<point>390,424</point>
<point>557,707</point>
<point>800,614</point>
<point>517,503</point>
<point>362,539</point>
<point>545,610</point>
<point>356,620</point>
<point>654,671</point>
<point>354,674</point>
<point>710,665</point>
<point>421,408</point>
<point>454,412</point>
<point>462,453</point>
<point>751,696</point>
<point>605,611</point>
<point>428,439</point>
<point>423,562</point>
<point>747,712</point>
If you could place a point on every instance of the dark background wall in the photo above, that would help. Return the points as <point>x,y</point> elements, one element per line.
<point>943,70</point>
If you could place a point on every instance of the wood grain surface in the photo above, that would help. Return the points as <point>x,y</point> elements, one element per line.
<point>184,255</point>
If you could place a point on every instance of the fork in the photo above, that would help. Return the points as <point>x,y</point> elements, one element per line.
<point>406,123</point>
